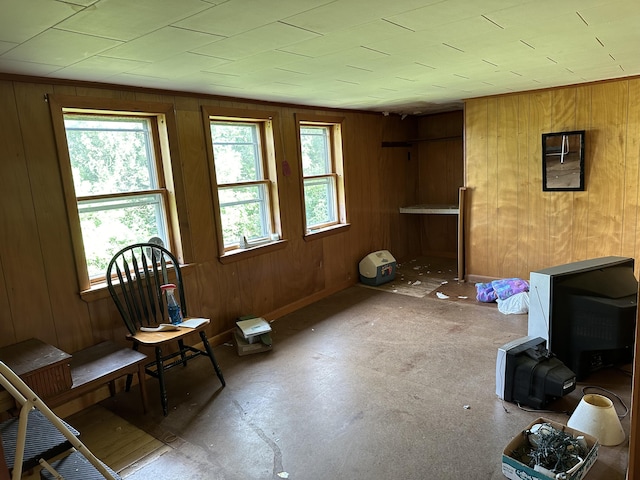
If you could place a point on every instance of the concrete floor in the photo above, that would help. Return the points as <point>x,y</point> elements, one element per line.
<point>361,385</point>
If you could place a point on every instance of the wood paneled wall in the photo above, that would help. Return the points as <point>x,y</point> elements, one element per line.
<point>38,286</point>
<point>513,227</point>
<point>440,174</point>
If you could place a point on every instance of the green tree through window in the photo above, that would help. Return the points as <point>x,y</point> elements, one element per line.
<point>319,179</point>
<point>242,188</point>
<point>120,200</point>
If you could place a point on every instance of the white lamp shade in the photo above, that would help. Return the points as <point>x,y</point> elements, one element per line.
<point>596,416</point>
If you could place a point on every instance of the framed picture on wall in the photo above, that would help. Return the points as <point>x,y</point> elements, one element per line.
<point>563,161</point>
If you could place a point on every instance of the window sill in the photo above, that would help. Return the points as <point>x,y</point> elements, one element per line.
<point>325,232</point>
<point>242,254</point>
<point>99,291</point>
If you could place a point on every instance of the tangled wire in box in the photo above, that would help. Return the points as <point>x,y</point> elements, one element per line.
<point>552,450</point>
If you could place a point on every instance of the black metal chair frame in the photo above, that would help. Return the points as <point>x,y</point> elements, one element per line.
<point>134,277</point>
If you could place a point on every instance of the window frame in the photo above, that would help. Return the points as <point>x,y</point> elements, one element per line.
<point>267,129</point>
<point>336,147</point>
<point>163,135</point>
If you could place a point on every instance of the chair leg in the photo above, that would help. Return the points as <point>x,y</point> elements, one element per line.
<point>127,386</point>
<point>163,390</point>
<point>182,353</point>
<point>216,367</point>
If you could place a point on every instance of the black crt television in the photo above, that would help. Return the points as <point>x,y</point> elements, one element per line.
<point>587,311</point>
<point>527,373</point>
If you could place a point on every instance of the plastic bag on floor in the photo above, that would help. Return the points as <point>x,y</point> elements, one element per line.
<point>515,304</point>
<point>485,293</point>
<point>507,287</point>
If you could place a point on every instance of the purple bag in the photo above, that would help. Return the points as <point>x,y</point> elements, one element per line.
<point>508,287</point>
<point>485,293</point>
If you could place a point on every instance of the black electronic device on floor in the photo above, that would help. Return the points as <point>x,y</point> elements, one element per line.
<point>528,374</point>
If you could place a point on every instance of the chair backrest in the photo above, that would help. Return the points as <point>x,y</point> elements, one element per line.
<point>134,277</point>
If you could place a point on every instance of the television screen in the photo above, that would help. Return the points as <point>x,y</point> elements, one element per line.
<point>587,312</point>
<point>595,327</point>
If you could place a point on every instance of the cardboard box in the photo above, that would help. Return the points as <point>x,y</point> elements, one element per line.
<point>515,470</point>
<point>245,348</point>
<point>252,328</point>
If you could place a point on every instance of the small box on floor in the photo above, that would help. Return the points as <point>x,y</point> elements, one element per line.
<point>252,335</point>
<point>254,329</point>
<point>515,453</point>
<point>245,348</point>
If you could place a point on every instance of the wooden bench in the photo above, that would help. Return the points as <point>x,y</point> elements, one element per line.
<point>99,365</point>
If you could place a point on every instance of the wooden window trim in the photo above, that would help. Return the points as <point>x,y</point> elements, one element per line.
<point>337,161</point>
<point>269,132</point>
<point>165,137</point>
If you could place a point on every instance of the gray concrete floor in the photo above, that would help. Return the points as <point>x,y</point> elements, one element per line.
<point>361,385</point>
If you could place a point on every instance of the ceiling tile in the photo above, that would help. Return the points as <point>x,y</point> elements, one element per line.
<point>19,67</point>
<point>254,63</point>
<point>125,20</point>
<point>162,43</point>
<point>339,15</point>
<point>234,17</point>
<point>624,33</point>
<point>367,33</point>
<point>262,39</point>
<point>433,16</point>
<point>215,78</point>
<point>610,11</point>
<point>6,46</point>
<point>57,47</point>
<point>177,67</point>
<point>525,23</point>
<point>97,68</point>
<point>22,20</point>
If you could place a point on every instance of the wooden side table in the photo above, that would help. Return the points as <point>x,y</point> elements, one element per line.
<point>45,368</point>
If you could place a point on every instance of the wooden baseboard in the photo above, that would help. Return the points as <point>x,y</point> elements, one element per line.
<point>303,302</point>
<point>480,279</point>
<point>227,335</point>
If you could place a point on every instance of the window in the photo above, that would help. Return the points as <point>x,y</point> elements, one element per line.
<point>245,181</point>
<point>322,172</point>
<point>115,183</point>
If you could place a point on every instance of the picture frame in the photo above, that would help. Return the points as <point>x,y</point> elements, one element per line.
<point>563,161</point>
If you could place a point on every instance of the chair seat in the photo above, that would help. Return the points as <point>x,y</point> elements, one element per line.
<point>157,338</point>
<point>45,440</point>
<point>76,467</point>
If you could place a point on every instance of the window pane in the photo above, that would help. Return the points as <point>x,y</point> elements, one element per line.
<point>109,225</point>
<point>236,152</point>
<point>243,212</point>
<point>110,155</point>
<point>314,143</point>
<point>319,199</point>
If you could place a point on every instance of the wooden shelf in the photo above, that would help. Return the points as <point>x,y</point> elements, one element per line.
<point>446,209</point>
<point>431,209</point>
<point>409,143</point>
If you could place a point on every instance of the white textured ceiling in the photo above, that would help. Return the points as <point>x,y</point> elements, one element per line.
<point>403,56</point>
